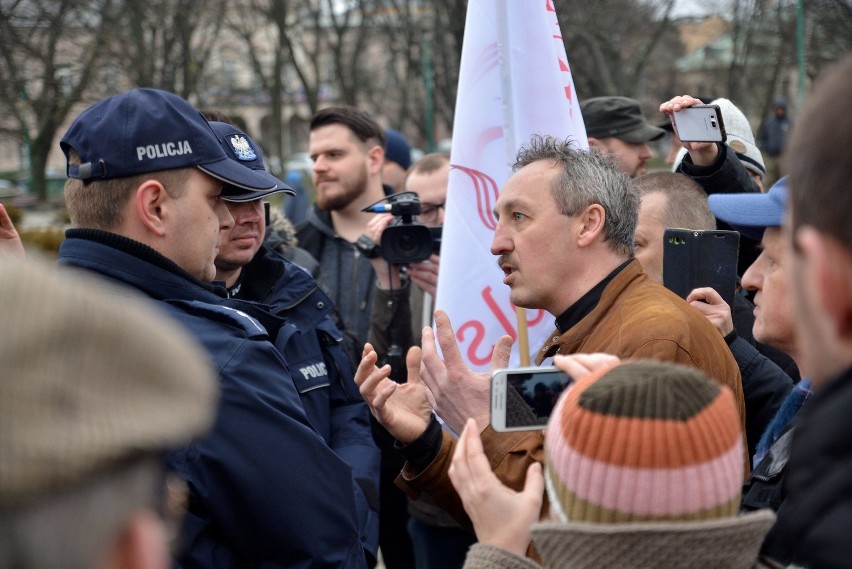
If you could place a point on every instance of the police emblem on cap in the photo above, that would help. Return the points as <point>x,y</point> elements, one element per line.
<point>242,148</point>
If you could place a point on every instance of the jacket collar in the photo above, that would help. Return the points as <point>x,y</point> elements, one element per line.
<point>726,542</point>
<point>139,265</point>
<point>587,302</point>
<point>627,274</point>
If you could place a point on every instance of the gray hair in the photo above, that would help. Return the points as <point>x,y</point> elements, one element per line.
<point>586,178</point>
<point>74,526</point>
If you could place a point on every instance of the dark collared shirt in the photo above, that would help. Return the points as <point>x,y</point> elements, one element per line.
<point>587,302</point>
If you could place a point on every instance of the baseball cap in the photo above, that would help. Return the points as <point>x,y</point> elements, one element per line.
<point>149,130</point>
<point>242,149</point>
<point>620,117</point>
<point>397,149</point>
<point>92,376</point>
<point>750,214</point>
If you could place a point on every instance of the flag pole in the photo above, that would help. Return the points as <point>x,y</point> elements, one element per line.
<point>523,336</point>
<point>511,149</point>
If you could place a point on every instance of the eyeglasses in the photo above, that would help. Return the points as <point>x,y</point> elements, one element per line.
<point>429,211</point>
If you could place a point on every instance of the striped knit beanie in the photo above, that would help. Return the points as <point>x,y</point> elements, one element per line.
<point>644,441</point>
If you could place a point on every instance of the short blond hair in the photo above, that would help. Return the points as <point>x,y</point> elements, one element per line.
<point>99,204</point>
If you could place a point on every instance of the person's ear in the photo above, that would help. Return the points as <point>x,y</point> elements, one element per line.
<point>375,159</point>
<point>141,544</point>
<point>151,201</point>
<point>596,144</point>
<point>831,264</point>
<point>591,225</point>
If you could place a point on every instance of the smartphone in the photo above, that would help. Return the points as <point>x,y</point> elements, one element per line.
<point>700,123</point>
<point>523,398</point>
<point>693,259</point>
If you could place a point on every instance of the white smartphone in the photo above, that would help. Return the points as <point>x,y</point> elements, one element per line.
<point>699,123</point>
<point>523,398</point>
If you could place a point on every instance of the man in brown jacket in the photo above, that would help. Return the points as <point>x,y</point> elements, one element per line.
<point>565,244</point>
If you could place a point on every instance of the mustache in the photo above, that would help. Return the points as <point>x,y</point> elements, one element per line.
<point>504,260</point>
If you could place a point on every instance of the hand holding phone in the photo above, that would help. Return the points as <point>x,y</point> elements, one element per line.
<point>694,259</point>
<point>699,123</point>
<point>523,398</point>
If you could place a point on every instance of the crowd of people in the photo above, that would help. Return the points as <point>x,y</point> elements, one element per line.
<point>198,384</point>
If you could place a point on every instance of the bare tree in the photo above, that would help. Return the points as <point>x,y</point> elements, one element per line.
<point>423,51</point>
<point>167,42</point>
<point>828,33</point>
<point>611,44</point>
<point>266,24</point>
<point>51,50</point>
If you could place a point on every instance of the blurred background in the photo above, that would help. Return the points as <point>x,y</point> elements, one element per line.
<point>271,64</point>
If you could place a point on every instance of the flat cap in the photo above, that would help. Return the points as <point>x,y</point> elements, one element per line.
<point>619,117</point>
<point>91,376</point>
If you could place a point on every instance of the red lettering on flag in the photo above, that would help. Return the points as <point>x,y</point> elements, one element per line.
<point>478,328</point>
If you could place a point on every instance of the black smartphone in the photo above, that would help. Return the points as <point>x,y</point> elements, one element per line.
<point>693,259</point>
<point>523,398</point>
<point>700,123</point>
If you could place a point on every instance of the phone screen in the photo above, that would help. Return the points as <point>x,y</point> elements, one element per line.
<point>524,398</point>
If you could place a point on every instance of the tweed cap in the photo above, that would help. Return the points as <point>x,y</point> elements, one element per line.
<point>644,441</point>
<point>91,376</point>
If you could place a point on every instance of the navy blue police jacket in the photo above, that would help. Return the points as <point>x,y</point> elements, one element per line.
<point>313,346</point>
<point>265,489</point>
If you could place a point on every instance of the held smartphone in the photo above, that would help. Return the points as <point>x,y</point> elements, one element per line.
<point>693,259</point>
<point>523,398</point>
<point>699,123</point>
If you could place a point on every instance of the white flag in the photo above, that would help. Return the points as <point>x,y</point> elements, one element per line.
<point>514,82</point>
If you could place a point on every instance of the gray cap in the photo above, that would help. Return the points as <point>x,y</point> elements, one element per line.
<point>91,376</point>
<point>619,117</point>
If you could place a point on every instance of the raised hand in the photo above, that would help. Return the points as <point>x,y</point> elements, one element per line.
<point>10,241</point>
<point>458,392</point>
<point>401,408</point>
<point>709,303</point>
<point>702,153</point>
<point>501,517</point>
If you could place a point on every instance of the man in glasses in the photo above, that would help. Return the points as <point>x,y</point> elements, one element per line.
<point>310,341</point>
<point>403,305</point>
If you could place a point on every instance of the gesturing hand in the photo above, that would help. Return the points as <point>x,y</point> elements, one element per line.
<point>458,393</point>
<point>401,408</point>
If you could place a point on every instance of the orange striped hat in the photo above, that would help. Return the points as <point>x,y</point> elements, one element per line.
<point>644,441</point>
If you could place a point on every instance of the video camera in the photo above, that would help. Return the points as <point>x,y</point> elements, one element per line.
<point>405,241</point>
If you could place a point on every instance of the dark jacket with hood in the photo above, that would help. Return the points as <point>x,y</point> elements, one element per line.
<point>265,490</point>
<point>313,347</point>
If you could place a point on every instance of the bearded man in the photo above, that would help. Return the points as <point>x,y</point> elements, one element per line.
<point>348,150</point>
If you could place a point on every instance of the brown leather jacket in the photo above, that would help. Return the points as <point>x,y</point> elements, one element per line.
<point>635,318</point>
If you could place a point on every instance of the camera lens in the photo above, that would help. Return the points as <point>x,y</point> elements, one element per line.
<point>713,123</point>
